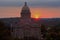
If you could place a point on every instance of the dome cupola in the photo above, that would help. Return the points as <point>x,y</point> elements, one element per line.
<point>25,13</point>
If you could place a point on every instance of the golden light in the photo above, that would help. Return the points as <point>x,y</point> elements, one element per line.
<point>36,13</point>
<point>36,16</point>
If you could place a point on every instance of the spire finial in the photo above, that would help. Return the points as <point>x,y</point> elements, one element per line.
<point>25,3</point>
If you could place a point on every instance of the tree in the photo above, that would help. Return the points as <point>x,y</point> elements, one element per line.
<point>29,38</point>
<point>4,31</point>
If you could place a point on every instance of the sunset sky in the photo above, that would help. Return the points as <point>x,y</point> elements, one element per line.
<point>40,8</point>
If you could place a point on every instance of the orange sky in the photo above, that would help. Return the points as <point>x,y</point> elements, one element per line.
<point>41,12</point>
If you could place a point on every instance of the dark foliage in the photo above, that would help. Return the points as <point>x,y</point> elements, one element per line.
<point>4,31</point>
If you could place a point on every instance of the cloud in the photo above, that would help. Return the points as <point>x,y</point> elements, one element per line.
<point>30,2</point>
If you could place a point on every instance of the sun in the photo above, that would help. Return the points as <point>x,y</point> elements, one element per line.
<point>36,16</point>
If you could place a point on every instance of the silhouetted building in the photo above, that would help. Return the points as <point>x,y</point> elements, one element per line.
<point>25,13</point>
<point>5,32</point>
<point>25,27</point>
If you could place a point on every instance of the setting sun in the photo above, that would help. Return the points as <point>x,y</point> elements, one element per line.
<point>36,16</point>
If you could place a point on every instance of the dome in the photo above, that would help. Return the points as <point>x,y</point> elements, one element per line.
<point>25,7</point>
<point>25,13</point>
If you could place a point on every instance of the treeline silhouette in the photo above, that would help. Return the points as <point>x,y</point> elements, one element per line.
<point>51,34</point>
<point>4,31</point>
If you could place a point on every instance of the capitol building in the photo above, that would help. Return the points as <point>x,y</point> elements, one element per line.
<point>24,26</point>
<point>28,28</point>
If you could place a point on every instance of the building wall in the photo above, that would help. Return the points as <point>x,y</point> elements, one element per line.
<point>26,31</point>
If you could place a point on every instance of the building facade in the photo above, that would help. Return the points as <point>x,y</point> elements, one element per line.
<point>25,27</point>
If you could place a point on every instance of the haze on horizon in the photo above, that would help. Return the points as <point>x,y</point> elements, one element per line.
<point>40,8</point>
